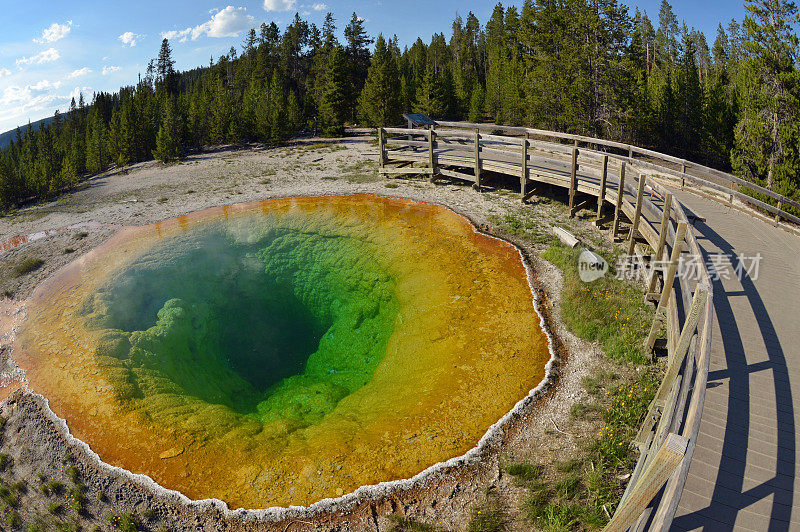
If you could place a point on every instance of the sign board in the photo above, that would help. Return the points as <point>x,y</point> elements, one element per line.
<point>419,120</point>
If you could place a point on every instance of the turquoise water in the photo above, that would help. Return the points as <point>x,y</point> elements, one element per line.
<point>280,326</point>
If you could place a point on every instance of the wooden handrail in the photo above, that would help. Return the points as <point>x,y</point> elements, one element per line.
<point>635,150</point>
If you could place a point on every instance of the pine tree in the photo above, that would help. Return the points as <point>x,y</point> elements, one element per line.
<point>357,44</point>
<point>169,140</point>
<point>767,132</point>
<point>477,104</point>
<point>379,102</point>
<point>667,35</point>
<point>165,68</point>
<point>97,154</point>
<point>334,107</point>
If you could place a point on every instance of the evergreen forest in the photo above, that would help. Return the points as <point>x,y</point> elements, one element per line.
<point>593,67</point>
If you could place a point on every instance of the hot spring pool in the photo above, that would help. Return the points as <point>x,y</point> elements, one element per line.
<point>281,352</point>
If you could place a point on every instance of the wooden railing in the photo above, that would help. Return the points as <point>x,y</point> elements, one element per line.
<point>668,434</point>
<point>674,167</point>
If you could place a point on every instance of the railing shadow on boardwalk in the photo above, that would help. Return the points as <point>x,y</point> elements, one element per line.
<point>729,496</point>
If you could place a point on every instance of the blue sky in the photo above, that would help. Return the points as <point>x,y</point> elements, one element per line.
<point>52,49</point>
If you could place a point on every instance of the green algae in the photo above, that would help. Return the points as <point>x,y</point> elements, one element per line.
<point>277,326</point>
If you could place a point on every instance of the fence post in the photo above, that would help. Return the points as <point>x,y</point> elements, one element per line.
<point>669,456</point>
<point>683,174</point>
<point>618,206</point>
<point>662,239</point>
<point>666,290</point>
<point>637,215</point>
<point>573,180</point>
<point>431,161</point>
<point>524,175</point>
<point>602,195</point>
<point>778,216</point>
<point>699,301</point>
<point>478,158</point>
<point>382,146</point>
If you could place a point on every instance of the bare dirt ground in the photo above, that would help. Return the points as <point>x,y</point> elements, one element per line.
<point>39,452</point>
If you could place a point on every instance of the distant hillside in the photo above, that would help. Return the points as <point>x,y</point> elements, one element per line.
<point>8,136</point>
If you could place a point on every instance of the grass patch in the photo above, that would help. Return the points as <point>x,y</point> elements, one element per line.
<point>608,311</point>
<point>361,172</point>
<point>401,524</point>
<point>9,496</point>
<point>126,522</point>
<point>582,492</point>
<point>524,472</point>
<point>27,265</point>
<point>53,487</point>
<point>77,498</point>
<point>12,518</point>
<point>391,185</point>
<point>489,516</point>
<point>522,225</point>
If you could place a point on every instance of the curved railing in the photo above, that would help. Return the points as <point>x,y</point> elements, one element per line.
<point>680,169</point>
<point>667,437</point>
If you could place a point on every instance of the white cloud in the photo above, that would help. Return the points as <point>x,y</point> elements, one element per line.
<point>54,33</point>
<point>19,104</point>
<point>76,92</point>
<point>279,5</point>
<point>129,38</point>
<point>181,35</point>
<point>4,72</point>
<point>44,85</point>
<point>319,6</point>
<point>16,102</point>
<point>78,73</point>
<point>48,56</point>
<point>110,69</point>
<point>228,22</point>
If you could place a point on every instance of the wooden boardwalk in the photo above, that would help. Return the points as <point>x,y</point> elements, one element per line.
<point>743,474</point>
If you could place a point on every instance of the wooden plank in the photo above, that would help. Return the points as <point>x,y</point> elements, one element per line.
<point>382,147</point>
<point>601,196</point>
<point>405,131</point>
<point>672,493</point>
<point>696,310</point>
<point>478,158</point>
<point>455,174</point>
<point>431,154</point>
<point>637,215</point>
<point>573,180</point>
<point>523,178</point>
<point>618,206</point>
<point>662,238</point>
<point>566,237</point>
<point>666,291</point>
<point>699,302</point>
<point>406,170</point>
<point>653,478</point>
